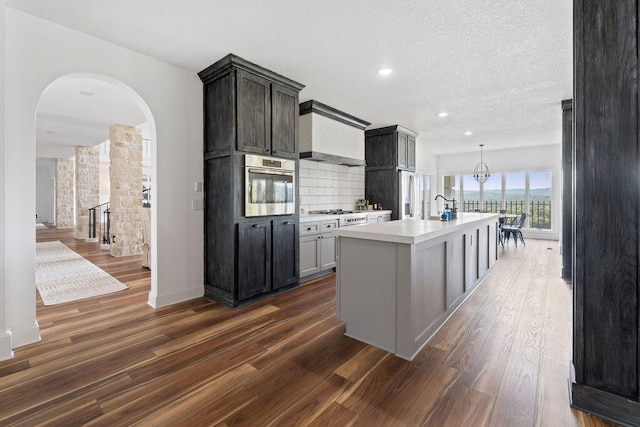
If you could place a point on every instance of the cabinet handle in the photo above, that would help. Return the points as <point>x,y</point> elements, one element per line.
<point>329,226</point>
<point>308,228</point>
<point>286,223</point>
<point>256,226</point>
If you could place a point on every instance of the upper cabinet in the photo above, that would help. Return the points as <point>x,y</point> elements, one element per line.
<point>284,121</point>
<point>250,109</point>
<point>391,147</point>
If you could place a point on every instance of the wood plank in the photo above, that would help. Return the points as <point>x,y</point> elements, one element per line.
<point>289,363</point>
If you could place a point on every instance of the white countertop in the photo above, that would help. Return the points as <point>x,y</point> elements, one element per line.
<point>324,217</point>
<point>411,231</point>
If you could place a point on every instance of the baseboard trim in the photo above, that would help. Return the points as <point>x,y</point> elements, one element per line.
<point>27,336</point>
<point>158,301</point>
<point>605,405</point>
<point>5,347</point>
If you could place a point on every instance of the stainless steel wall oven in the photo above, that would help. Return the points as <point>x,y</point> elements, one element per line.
<point>269,186</point>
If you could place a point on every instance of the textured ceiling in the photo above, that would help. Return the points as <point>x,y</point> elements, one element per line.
<point>500,68</point>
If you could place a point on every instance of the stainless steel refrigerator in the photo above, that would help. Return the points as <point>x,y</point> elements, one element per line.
<point>408,195</point>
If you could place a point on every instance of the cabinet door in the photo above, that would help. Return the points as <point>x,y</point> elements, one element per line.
<point>309,254</point>
<point>411,153</point>
<point>254,113</point>
<point>385,218</point>
<point>383,187</point>
<point>327,251</point>
<point>402,150</point>
<point>285,253</point>
<point>219,120</point>
<point>284,121</point>
<point>254,258</point>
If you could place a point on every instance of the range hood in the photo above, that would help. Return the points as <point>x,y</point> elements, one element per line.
<point>330,135</point>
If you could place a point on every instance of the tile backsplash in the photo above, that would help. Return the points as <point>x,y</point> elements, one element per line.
<point>329,186</point>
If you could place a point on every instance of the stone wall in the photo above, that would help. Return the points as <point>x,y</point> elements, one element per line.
<point>87,187</point>
<point>126,190</point>
<point>65,193</point>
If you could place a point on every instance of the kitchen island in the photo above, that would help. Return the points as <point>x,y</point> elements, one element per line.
<point>399,281</point>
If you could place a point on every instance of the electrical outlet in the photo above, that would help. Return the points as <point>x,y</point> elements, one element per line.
<point>198,204</point>
<point>197,187</point>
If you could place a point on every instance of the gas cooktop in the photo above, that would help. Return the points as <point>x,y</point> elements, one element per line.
<point>330,212</point>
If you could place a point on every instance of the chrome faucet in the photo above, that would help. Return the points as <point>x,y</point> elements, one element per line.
<point>454,209</point>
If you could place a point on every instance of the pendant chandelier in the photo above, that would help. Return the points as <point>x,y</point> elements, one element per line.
<point>481,172</point>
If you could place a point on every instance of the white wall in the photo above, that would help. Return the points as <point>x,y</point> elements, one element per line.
<point>426,163</point>
<point>546,157</point>
<point>5,333</point>
<point>45,189</point>
<point>38,52</point>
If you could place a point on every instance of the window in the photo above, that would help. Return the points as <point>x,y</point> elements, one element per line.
<point>451,186</point>
<point>492,194</point>
<point>540,200</point>
<point>515,192</point>
<point>470,194</point>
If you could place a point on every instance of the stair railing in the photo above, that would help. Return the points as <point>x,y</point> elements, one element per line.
<point>100,222</point>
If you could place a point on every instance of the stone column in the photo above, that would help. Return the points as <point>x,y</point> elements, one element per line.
<point>87,187</point>
<point>65,193</point>
<point>126,190</point>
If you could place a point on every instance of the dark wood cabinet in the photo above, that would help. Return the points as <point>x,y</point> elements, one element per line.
<point>567,188</point>
<point>254,113</point>
<point>254,258</point>
<point>267,117</point>
<point>391,147</point>
<point>247,109</point>
<point>606,200</point>
<point>411,153</point>
<point>284,121</point>
<point>383,187</point>
<point>285,253</point>
<point>388,150</point>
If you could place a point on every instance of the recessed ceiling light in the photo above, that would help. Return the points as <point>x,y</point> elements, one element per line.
<point>468,133</point>
<point>385,71</point>
<point>443,114</point>
<point>86,93</point>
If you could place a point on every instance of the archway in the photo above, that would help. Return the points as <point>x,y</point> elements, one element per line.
<point>80,107</point>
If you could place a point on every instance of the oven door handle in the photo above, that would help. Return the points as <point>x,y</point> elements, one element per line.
<point>271,171</point>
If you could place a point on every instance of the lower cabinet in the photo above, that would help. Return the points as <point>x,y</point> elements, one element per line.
<point>285,253</point>
<point>254,258</point>
<point>317,247</point>
<point>267,256</point>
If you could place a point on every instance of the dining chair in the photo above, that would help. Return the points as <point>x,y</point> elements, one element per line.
<point>501,221</point>
<point>515,229</point>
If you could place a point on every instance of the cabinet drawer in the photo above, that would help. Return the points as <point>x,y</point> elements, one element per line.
<point>328,225</point>
<point>307,228</point>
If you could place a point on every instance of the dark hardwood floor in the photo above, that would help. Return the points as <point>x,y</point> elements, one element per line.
<point>501,360</point>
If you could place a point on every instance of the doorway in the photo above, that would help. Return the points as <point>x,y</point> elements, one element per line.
<point>78,110</point>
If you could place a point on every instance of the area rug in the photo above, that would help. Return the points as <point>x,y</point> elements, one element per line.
<point>63,276</point>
